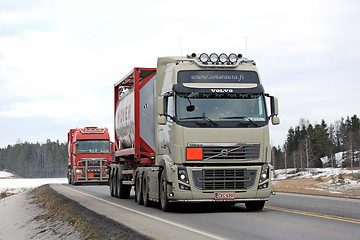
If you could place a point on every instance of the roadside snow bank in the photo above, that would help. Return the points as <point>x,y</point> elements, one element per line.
<point>17,185</point>
<point>4,174</point>
<point>323,181</point>
<point>281,174</point>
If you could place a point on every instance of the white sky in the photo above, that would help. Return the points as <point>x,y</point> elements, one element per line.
<point>60,59</point>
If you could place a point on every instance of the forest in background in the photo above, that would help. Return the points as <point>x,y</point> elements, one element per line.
<point>35,160</point>
<point>305,145</point>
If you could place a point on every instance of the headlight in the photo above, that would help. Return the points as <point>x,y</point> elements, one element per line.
<point>182,175</point>
<point>264,175</point>
<point>214,57</point>
<point>78,171</point>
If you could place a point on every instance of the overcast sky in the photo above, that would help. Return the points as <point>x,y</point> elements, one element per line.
<point>59,59</point>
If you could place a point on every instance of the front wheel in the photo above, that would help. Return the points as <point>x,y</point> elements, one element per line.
<point>255,206</point>
<point>69,176</point>
<point>164,201</point>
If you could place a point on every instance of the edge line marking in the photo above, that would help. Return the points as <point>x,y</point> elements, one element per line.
<point>148,215</point>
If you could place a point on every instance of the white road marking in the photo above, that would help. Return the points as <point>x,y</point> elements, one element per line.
<point>149,216</point>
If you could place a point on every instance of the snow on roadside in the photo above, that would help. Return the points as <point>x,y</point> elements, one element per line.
<point>17,185</point>
<point>336,181</point>
<point>4,174</point>
<point>281,174</point>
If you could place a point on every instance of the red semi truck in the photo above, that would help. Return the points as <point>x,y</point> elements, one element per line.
<point>194,129</point>
<point>89,154</point>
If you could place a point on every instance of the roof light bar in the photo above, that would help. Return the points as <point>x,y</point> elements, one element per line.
<point>221,59</point>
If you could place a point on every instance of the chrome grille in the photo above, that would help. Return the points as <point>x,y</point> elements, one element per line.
<point>237,152</point>
<point>223,179</point>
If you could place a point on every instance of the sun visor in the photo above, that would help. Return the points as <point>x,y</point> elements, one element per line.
<point>218,88</point>
<point>218,81</point>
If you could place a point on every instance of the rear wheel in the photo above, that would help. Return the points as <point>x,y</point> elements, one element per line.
<point>145,191</point>
<point>255,205</point>
<point>111,183</point>
<point>122,189</point>
<point>116,183</point>
<point>138,189</point>
<point>164,201</point>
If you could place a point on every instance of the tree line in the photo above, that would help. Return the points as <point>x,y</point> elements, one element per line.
<point>307,143</point>
<point>35,160</point>
<point>304,147</point>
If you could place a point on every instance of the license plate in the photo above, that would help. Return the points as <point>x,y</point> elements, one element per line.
<point>224,195</point>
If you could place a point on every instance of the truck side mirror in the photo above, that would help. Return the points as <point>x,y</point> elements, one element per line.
<point>274,111</point>
<point>274,106</point>
<point>161,119</point>
<point>275,120</point>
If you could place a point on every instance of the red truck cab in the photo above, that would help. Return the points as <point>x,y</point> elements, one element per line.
<point>89,154</point>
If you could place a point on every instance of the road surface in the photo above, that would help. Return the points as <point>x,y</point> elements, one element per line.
<point>285,216</point>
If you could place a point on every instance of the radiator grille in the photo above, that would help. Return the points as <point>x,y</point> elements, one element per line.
<point>239,152</point>
<point>223,179</point>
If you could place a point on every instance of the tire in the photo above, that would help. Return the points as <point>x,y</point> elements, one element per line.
<point>72,178</point>
<point>138,189</point>
<point>111,184</point>
<point>122,190</point>
<point>255,206</point>
<point>145,191</point>
<point>69,177</point>
<point>116,182</point>
<point>164,201</point>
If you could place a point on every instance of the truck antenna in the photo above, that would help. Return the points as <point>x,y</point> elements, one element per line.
<point>180,44</point>
<point>246,46</point>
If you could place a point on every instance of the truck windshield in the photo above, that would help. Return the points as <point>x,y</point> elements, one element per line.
<point>221,109</point>
<point>93,146</point>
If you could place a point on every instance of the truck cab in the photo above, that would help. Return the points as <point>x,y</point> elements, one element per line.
<point>89,154</point>
<point>213,129</point>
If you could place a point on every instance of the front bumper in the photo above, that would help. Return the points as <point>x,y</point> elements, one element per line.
<point>244,187</point>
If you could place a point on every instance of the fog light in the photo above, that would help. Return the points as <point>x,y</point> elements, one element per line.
<point>184,187</point>
<point>262,186</point>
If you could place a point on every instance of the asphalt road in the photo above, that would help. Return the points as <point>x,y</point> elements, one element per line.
<point>285,216</point>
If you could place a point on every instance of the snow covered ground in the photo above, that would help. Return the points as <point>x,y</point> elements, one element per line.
<point>328,181</point>
<point>13,185</point>
<point>312,173</point>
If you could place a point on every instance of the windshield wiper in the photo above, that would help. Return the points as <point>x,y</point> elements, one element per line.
<point>242,117</point>
<point>202,117</point>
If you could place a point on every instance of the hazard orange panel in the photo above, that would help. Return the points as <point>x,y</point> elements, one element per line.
<point>194,154</point>
<point>90,174</point>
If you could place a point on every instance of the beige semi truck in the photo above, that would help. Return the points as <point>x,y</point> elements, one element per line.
<point>194,129</point>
